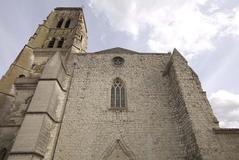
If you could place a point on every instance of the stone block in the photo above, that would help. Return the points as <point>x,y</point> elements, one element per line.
<point>48,98</point>
<point>35,135</point>
<point>54,70</point>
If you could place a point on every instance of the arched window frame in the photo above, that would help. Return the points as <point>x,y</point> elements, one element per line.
<point>51,43</point>
<point>118,95</point>
<point>60,42</point>
<point>68,23</point>
<point>59,23</point>
<point>21,76</point>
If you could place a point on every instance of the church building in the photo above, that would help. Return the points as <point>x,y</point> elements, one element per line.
<point>58,102</point>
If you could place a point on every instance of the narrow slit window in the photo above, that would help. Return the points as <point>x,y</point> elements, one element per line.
<point>59,24</point>
<point>68,22</point>
<point>60,43</point>
<point>81,37</point>
<point>51,43</point>
<point>118,94</point>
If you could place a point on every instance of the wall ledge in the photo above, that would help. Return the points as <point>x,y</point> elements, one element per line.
<point>226,130</point>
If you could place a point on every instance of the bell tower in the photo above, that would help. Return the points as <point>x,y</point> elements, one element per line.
<point>63,31</point>
<point>40,70</point>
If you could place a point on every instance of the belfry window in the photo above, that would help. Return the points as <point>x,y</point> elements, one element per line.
<point>68,22</point>
<point>60,43</point>
<point>51,43</point>
<point>118,94</point>
<point>59,24</point>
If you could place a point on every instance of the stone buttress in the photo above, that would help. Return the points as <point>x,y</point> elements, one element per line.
<point>198,126</point>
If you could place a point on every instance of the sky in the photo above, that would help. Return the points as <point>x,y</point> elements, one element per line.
<point>206,32</point>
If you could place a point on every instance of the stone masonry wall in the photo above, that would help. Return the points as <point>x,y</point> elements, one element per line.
<point>12,112</point>
<point>182,116</point>
<point>147,129</point>
<point>229,140</point>
<point>195,114</point>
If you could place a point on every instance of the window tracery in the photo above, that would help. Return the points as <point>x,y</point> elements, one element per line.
<point>118,94</point>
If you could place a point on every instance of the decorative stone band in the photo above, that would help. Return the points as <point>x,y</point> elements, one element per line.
<point>24,154</point>
<point>26,83</point>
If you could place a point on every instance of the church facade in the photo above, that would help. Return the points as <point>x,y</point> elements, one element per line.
<point>58,102</point>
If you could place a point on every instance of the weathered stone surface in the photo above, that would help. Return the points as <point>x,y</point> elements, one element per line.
<point>54,70</point>
<point>48,98</point>
<point>194,114</point>
<point>7,135</point>
<point>14,108</point>
<point>147,127</point>
<point>35,135</point>
<point>6,104</point>
<point>24,157</point>
<point>21,66</point>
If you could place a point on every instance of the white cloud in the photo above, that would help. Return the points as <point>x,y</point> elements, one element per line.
<point>169,24</point>
<point>233,23</point>
<point>226,107</point>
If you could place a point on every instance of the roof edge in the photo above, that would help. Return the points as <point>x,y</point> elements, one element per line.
<point>124,50</point>
<point>68,8</point>
<point>116,49</point>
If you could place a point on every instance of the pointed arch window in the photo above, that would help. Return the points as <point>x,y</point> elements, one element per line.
<point>118,94</point>
<point>51,43</point>
<point>60,22</point>
<point>60,43</point>
<point>68,22</point>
